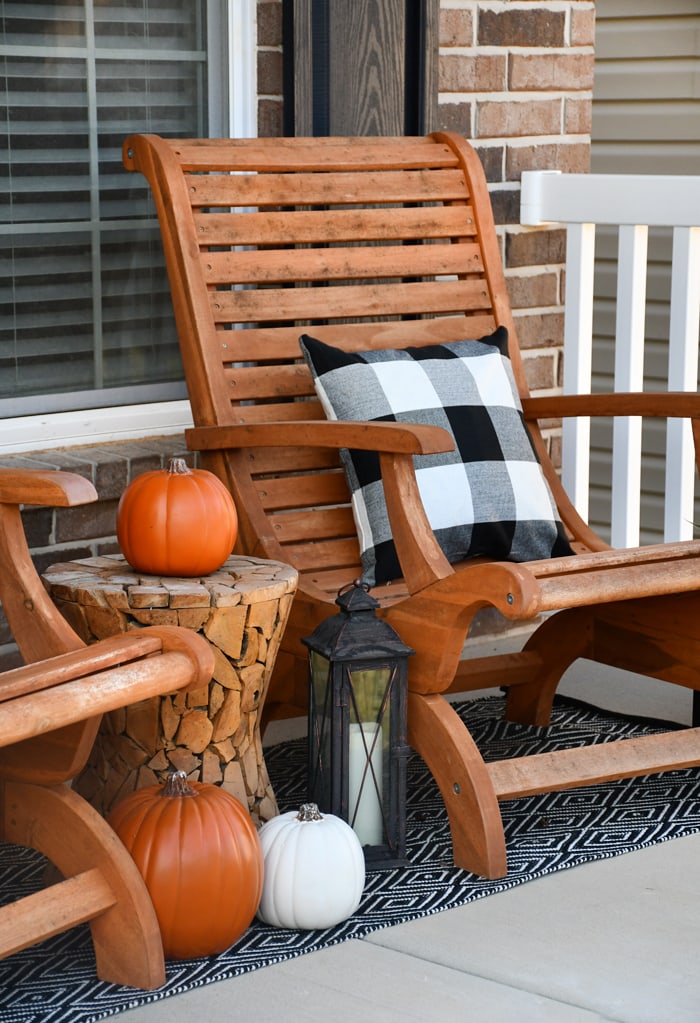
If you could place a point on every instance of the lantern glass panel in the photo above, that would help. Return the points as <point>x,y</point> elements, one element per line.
<point>320,731</point>
<point>368,752</point>
<point>370,693</point>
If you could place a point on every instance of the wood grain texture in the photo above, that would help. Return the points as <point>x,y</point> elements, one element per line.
<point>380,243</point>
<point>576,767</point>
<point>363,68</point>
<point>49,714</point>
<point>367,67</point>
<point>212,731</point>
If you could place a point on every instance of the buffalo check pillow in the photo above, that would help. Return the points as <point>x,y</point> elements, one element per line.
<point>488,496</point>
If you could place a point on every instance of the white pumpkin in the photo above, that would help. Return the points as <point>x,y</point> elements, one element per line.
<point>314,870</point>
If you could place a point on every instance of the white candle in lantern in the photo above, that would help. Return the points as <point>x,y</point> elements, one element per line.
<point>365,815</point>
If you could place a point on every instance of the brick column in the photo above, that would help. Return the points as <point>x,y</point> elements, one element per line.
<point>270,105</point>
<point>518,82</point>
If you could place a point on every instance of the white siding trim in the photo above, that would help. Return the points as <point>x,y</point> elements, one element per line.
<point>94,426</point>
<point>243,58</point>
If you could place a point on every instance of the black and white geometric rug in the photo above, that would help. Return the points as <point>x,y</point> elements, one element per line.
<point>55,982</point>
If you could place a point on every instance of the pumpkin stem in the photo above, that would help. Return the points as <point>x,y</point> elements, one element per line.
<point>178,466</point>
<point>176,785</point>
<point>309,812</point>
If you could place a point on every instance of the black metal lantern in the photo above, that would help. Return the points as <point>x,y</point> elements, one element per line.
<point>357,724</point>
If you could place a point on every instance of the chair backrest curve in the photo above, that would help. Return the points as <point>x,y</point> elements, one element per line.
<point>362,242</point>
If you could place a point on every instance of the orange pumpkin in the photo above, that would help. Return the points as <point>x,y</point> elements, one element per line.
<point>199,854</point>
<point>176,521</point>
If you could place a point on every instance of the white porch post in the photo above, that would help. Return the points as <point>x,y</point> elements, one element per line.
<point>578,345</point>
<point>629,376</point>
<point>682,376</point>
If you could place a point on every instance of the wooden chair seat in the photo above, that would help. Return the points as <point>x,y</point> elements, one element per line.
<point>50,710</point>
<point>382,243</point>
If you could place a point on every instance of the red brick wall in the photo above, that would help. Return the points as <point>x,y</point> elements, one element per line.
<point>270,104</point>
<point>518,82</point>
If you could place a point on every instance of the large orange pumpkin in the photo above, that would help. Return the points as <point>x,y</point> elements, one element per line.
<point>199,854</point>
<point>176,521</point>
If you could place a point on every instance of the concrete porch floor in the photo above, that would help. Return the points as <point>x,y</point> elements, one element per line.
<point>615,940</point>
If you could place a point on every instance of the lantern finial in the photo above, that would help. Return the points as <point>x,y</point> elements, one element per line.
<point>355,597</point>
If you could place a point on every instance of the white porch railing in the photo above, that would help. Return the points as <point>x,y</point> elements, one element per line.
<point>634,203</point>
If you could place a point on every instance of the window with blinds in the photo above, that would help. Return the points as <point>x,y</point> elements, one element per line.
<point>85,311</point>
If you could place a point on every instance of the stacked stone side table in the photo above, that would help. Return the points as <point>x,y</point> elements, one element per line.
<point>213,734</point>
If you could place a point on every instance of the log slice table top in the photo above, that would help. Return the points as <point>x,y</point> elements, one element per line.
<point>213,734</point>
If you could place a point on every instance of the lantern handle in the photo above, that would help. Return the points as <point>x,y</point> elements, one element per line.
<point>351,600</point>
<point>357,584</point>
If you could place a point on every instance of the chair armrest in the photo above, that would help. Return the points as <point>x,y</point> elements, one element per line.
<point>673,404</point>
<point>655,405</point>
<point>50,487</point>
<point>64,690</point>
<point>401,438</point>
<point>421,557</point>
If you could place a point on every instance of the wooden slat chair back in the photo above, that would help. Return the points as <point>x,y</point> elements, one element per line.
<point>50,710</point>
<point>380,243</point>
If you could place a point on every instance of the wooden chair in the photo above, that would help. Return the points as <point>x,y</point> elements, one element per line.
<point>50,710</point>
<point>379,243</point>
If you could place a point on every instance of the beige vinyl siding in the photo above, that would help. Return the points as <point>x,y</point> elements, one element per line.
<point>646,120</point>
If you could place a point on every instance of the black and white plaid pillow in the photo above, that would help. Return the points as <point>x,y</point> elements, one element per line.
<point>488,496</point>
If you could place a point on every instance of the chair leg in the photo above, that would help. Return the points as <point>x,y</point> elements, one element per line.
<point>437,632</point>
<point>696,708</point>
<point>559,641</point>
<point>71,834</point>
<point>438,734</point>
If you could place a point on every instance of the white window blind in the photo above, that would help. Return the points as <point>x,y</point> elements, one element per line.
<point>85,310</point>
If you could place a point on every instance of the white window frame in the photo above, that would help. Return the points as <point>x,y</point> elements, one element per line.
<point>233,106</point>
